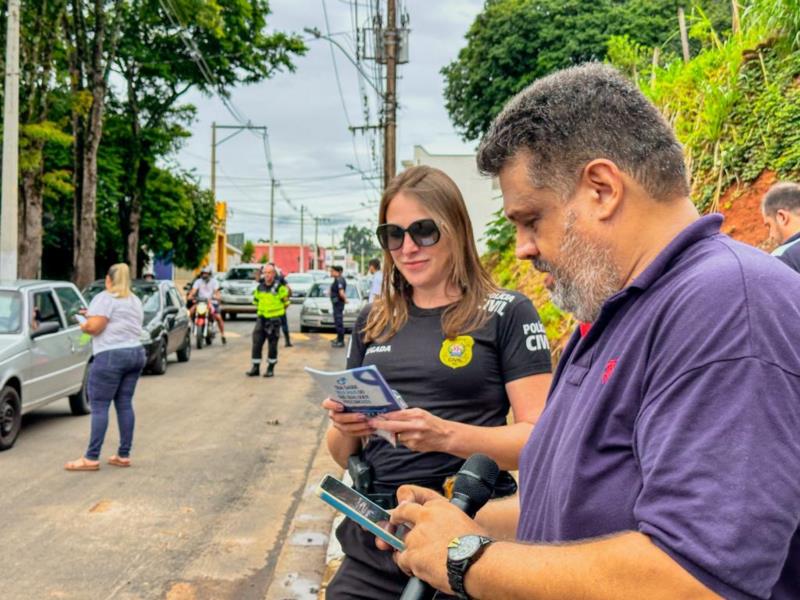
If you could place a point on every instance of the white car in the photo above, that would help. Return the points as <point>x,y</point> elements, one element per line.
<point>300,284</point>
<point>236,290</point>
<point>317,310</point>
<point>43,354</point>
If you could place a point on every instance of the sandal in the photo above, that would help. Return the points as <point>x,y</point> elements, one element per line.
<point>82,464</point>
<point>119,462</point>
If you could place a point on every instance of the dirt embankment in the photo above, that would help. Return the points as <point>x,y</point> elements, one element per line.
<point>741,206</point>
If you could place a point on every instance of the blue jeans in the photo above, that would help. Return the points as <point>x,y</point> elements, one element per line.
<point>112,377</point>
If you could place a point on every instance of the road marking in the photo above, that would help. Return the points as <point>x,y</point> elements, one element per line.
<point>328,336</point>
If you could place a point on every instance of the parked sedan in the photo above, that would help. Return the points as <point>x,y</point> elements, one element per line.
<point>300,284</point>
<point>166,322</point>
<point>43,353</point>
<point>317,310</point>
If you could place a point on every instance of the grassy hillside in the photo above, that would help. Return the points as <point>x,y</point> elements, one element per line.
<point>736,108</point>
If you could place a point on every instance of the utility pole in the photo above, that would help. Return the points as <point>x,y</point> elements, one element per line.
<point>390,100</point>
<point>272,220</point>
<point>214,160</point>
<point>316,243</point>
<point>302,260</point>
<point>10,169</point>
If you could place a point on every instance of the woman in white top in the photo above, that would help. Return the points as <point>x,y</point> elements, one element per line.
<point>114,320</point>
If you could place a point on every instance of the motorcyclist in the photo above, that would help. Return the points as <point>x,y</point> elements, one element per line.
<point>207,289</point>
<point>271,298</point>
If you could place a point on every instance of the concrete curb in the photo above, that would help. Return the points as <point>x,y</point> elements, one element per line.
<point>303,566</point>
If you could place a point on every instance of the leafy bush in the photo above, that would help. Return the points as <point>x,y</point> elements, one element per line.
<point>735,107</point>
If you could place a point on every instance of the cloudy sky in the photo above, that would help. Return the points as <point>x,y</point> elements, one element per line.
<point>308,120</point>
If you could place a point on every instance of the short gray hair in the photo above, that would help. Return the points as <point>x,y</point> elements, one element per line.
<point>785,196</point>
<point>576,115</point>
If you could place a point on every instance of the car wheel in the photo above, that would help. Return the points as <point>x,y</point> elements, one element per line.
<point>304,328</point>
<point>10,417</point>
<point>232,316</point>
<point>160,364</point>
<point>199,341</point>
<point>79,402</point>
<point>185,352</point>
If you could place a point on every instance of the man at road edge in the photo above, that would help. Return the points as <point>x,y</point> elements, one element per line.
<point>376,283</point>
<point>781,211</point>
<point>665,462</point>
<point>338,300</point>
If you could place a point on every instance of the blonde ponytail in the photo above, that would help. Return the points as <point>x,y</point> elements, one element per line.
<point>120,275</point>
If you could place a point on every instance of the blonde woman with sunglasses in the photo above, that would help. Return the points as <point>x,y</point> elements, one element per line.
<point>460,351</point>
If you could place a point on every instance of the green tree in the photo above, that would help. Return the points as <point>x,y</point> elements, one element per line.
<point>513,42</point>
<point>167,49</point>
<point>91,32</point>
<point>359,240</point>
<point>178,218</point>
<point>248,250</point>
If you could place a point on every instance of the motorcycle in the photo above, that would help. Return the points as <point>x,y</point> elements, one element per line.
<point>204,327</point>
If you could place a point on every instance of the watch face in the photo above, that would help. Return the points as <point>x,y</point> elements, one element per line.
<point>466,547</point>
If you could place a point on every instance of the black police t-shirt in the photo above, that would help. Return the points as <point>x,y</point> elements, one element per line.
<point>339,283</point>
<point>461,379</point>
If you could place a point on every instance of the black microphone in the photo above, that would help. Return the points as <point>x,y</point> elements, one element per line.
<point>473,486</point>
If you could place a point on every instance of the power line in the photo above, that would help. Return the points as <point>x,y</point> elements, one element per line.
<point>339,83</point>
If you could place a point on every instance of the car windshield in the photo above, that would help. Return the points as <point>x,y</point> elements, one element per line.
<point>150,297</point>
<point>242,273</point>
<point>10,312</point>
<point>90,292</point>
<point>322,290</point>
<point>146,291</point>
<point>299,278</point>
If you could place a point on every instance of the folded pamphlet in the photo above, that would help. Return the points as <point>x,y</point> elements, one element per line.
<point>363,390</point>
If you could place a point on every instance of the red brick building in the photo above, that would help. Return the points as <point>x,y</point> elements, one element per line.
<point>287,256</point>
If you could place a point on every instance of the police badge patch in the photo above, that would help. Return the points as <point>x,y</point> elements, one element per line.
<point>457,353</point>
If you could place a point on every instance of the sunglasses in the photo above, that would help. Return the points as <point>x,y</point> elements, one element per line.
<point>424,233</point>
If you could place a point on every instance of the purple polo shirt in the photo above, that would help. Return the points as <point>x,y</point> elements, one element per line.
<point>678,415</point>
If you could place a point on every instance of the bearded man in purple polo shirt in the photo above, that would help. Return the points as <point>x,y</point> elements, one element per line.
<point>666,463</point>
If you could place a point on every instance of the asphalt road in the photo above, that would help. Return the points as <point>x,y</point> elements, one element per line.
<point>219,463</point>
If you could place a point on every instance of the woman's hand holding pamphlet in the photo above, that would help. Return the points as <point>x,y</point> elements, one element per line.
<point>363,390</point>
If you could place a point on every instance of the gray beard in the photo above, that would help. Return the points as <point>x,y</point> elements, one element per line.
<point>586,278</point>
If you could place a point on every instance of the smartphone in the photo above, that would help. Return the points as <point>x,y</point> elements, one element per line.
<point>80,319</point>
<point>360,509</point>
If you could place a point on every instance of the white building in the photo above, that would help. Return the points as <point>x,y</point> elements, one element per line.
<point>481,194</point>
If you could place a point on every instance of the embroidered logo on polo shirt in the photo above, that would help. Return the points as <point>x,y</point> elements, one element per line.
<point>457,353</point>
<point>609,370</point>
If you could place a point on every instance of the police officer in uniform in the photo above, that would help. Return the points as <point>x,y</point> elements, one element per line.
<point>271,297</point>
<point>338,299</point>
<point>284,319</point>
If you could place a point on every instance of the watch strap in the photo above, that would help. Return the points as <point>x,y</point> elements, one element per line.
<point>457,569</point>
